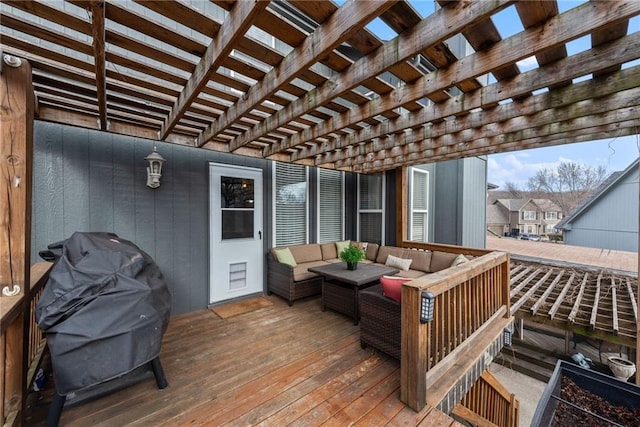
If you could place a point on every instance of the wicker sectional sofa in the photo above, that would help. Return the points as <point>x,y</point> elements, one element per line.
<point>295,282</point>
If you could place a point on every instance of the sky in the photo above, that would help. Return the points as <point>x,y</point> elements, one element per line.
<point>516,167</point>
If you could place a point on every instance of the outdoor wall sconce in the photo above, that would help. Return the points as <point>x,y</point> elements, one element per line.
<point>507,334</point>
<point>427,301</point>
<point>154,170</point>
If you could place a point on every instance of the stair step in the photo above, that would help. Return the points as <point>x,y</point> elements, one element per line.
<point>532,355</point>
<point>524,367</point>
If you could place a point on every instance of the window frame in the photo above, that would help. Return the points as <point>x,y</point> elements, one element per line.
<point>381,210</point>
<point>412,209</point>
<point>275,204</point>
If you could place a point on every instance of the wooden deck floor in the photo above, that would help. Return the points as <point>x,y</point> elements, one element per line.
<point>273,366</point>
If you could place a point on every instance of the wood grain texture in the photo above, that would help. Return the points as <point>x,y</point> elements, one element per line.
<point>300,366</point>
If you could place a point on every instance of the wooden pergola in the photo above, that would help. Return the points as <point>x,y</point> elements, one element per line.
<point>306,82</point>
<point>596,302</point>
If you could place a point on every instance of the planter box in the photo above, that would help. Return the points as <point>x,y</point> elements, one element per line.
<point>612,391</point>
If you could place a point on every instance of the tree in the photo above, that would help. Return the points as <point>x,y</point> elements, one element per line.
<point>513,190</point>
<point>569,184</point>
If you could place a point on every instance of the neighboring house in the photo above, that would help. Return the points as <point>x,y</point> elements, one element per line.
<point>516,216</point>
<point>609,218</point>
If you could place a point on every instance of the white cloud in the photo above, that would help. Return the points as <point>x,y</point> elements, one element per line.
<point>514,168</point>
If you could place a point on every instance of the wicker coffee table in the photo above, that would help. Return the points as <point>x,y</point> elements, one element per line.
<point>341,287</point>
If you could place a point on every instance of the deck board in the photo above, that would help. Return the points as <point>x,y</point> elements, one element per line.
<point>274,366</point>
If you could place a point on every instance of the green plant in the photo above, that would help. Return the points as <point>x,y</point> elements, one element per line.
<point>351,254</point>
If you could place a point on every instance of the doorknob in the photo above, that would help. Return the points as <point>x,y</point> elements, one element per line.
<point>260,234</point>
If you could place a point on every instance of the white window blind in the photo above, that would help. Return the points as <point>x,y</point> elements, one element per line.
<point>330,206</point>
<point>370,208</point>
<point>290,204</point>
<point>419,202</point>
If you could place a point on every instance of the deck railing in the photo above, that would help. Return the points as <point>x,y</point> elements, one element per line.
<point>470,312</point>
<point>489,401</point>
<point>21,346</point>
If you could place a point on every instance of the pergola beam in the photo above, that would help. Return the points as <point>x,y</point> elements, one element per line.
<point>237,23</point>
<point>612,109</point>
<point>547,108</point>
<point>586,62</point>
<point>574,23</point>
<point>514,142</point>
<point>98,34</point>
<point>434,29</point>
<point>344,22</point>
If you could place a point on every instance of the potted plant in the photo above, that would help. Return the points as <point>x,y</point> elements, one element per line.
<point>351,255</point>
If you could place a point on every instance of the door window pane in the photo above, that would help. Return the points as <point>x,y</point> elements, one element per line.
<point>237,203</point>
<point>236,192</point>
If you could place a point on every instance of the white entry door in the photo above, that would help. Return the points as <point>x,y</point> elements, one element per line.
<point>236,258</point>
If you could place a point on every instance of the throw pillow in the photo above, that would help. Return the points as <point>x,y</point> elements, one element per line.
<point>392,287</point>
<point>395,262</point>
<point>286,257</point>
<point>341,246</point>
<point>460,259</point>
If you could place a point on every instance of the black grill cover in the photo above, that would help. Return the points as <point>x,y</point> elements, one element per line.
<point>104,310</point>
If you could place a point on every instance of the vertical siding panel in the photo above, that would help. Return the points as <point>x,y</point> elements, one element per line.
<point>163,214</point>
<point>199,250</point>
<point>181,229</point>
<point>100,174</point>
<point>124,182</point>
<point>145,202</point>
<point>75,181</point>
<point>47,189</point>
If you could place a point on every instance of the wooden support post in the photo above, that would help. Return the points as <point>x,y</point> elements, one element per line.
<point>16,160</point>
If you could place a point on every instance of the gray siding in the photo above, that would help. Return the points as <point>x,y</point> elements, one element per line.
<point>459,210</point>
<point>473,192</point>
<point>611,222</point>
<point>86,180</point>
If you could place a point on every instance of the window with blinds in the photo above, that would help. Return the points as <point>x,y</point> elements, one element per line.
<point>370,208</point>
<point>330,206</point>
<point>419,203</point>
<point>290,195</point>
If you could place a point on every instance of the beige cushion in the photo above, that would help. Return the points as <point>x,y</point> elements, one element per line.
<point>341,246</point>
<point>421,259</point>
<point>395,262</point>
<point>285,256</point>
<point>385,251</point>
<point>300,272</point>
<point>328,251</point>
<point>306,253</point>
<point>441,260</point>
<point>460,259</point>
<point>372,251</point>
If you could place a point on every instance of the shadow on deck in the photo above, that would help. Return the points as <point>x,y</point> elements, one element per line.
<point>274,366</point>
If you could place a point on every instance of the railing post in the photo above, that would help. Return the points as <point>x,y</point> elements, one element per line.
<point>414,358</point>
<point>505,284</point>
